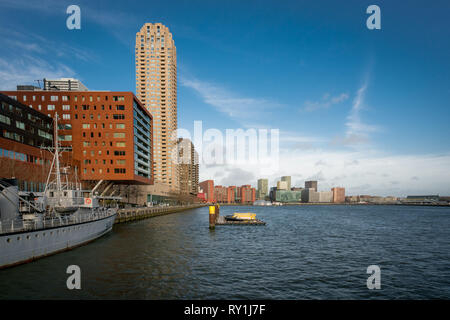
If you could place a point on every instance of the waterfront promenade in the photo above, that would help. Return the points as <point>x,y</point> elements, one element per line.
<point>132,214</point>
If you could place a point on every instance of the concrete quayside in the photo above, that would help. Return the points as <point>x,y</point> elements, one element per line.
<point>132,214</point>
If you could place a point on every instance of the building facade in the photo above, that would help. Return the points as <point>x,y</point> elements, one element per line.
<point>64,84</point>
<point>188,166</point>
<point>207,188</point>
<point>263,189</point>
<point>311,184</point>
<point>109,132</point>
<point>23,133</point>
<point>282,185</point>
<point>338,195</point>
<point>288,181</point>
<point>156,87</point>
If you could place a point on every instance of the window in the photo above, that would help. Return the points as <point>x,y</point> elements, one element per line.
<point>86,125</point>
<point>20,125</point>
<point>5,119</point>
<point>66,107</point>
<point>118,98</point>
<point>119,170</point>
<point>65,98</point>
<point>51,107</point>
<point>120,107</point>
<point>120,126</point>
<point>121,162</point>
<point>65,126</point>
<point>54,98</point>
<point>66,116</point>
<point>118,116</point>
<point>119,135</point>
<point>119,153</point>
<point>120,144</point>
<point>66,137</point>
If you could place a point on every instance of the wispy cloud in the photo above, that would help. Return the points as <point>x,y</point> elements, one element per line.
<point>326,102</point>
<point>114,21</point>
<point>230,103</point>
<point>357,132</point>
<point>27,69</point>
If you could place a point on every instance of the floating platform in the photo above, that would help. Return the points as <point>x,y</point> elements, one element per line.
<point>221,221</point>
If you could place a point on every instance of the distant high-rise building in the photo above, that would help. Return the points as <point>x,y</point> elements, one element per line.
<point>282,185</point>
<point>156,87</point>
<point>338,195</point>
<point>64,84</point>
<point>208,189</point>
<point>288,181</point>
<point>248,194</point>
<point>311,184</point>
<point>188,166</point>
<point>263,188</point>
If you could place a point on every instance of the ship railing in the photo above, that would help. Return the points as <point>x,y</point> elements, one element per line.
<point>18,225</point>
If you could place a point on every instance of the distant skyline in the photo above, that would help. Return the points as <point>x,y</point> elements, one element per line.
<point>364,109</point>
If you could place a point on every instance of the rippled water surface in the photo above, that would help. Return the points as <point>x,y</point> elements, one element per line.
<point>304,252</point>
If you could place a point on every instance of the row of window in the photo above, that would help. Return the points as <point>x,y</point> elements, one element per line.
<point>18,111</point>
<point>116,170</point>
<point>21,156</point>
<point>67,98</point>
<point>88,126</point>
<point>118,161</point>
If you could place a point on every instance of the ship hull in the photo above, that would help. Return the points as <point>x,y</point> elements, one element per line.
<point>25,246</point>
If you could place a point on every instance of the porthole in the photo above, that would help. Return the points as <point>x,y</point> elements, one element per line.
<point>18,238</point>
<point>8,240</point>
<point>36,235</point>
<point>28,237</point>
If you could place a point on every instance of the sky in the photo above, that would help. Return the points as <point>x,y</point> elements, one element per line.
<point>364,109</point>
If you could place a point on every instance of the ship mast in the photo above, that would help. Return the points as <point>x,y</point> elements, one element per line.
<point>58,175</point>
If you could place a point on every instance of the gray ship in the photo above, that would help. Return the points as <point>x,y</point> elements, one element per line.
<point>35,225</point>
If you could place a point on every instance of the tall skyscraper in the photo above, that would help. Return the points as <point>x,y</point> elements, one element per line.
<point>156,87</point>
<point>288,181</point>
<point>263,189</point>
<point>188,167</point>
<point>311,184</point>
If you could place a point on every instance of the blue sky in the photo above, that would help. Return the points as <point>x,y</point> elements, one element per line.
<point>365,109</point>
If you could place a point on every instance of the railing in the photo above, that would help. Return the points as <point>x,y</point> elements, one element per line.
<point>18,225</point>
<point>131,214</point>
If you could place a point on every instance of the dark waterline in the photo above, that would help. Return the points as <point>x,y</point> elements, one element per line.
<point>306,252</point>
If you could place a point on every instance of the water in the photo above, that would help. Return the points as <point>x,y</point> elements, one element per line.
<point>307,252</point>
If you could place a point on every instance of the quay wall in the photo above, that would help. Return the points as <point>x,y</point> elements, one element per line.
<point>132,214</point>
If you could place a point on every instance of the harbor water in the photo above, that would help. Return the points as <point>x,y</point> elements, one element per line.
<point>303,252</point>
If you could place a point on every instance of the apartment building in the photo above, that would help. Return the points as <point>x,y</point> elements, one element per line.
<point>156,87</point>
<point>109,132</point>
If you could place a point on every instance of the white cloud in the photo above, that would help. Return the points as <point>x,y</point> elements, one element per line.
<point>325,103</point>
<point>227,102</point>
<point>27,69</point>
<point>358,172</point>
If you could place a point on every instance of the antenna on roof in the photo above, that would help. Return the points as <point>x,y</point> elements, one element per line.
<point>39,82</point>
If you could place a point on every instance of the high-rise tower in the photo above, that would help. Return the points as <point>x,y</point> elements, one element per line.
<point>156,87</point>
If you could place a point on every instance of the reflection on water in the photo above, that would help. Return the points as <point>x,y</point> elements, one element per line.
<point>306,252</point>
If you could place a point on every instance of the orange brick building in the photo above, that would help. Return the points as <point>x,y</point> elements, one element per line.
<point>207,187</point>
<point>338,195</point>
<point>248,194</point>
<point>110,132</point>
